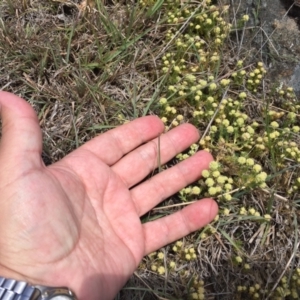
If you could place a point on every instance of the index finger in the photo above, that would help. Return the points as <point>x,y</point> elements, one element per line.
<point>114,144</point>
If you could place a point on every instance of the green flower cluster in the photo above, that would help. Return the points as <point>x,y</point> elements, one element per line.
<point>197,290</point>
<point>161,263</point>
<point>216,184</point>
<point>251,78</point>
<point>287,289</point>
<point>253,133</point>
<point>253,291</point>
<point>205,23</point>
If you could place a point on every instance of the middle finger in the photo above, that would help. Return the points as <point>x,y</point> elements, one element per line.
<point>136,165</point>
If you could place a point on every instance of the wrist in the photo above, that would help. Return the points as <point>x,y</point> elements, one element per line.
<point>16,289</point>
<point>38,289</point>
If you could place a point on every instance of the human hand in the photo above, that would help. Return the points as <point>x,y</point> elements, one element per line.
<point>77,223</point>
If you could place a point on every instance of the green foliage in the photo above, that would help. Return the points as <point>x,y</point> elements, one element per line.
<point>122,59</point>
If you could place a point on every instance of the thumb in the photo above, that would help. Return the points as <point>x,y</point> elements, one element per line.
<point>21,141</point>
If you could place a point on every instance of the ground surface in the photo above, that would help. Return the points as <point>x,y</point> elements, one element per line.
<point>278,41</point>
<point>88,71</point>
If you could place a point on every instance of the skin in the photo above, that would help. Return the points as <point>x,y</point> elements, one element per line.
<point>77,223</point>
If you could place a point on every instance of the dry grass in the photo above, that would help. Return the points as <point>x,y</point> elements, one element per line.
<point>89,66</point>
<point>81,73</point>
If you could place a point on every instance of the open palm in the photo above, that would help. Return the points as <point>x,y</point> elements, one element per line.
<point>77,222</point>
